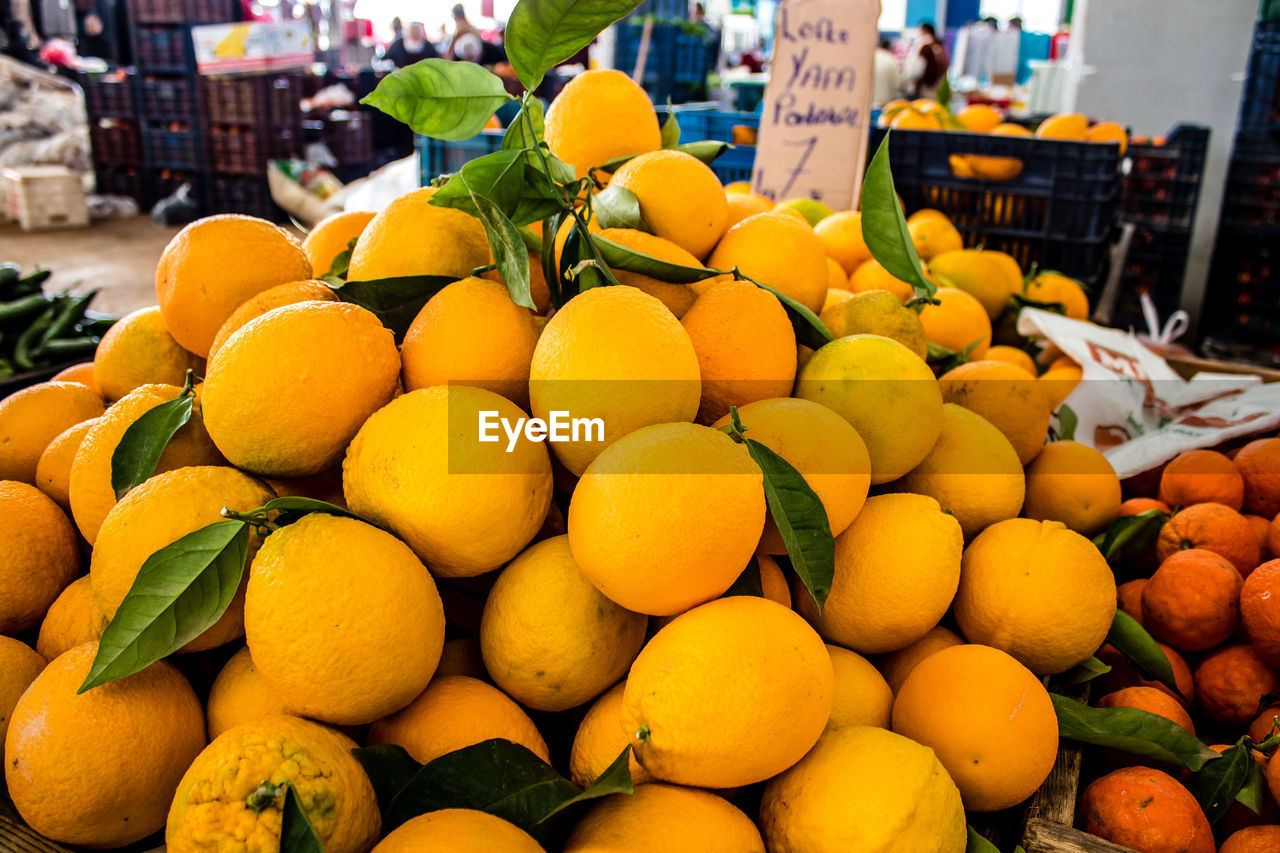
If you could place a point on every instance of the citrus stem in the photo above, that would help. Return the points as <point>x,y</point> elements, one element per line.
<point>263,796</point>
<point>642,733</point>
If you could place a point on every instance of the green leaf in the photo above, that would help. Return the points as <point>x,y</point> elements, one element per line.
<point>342,261</point>
<point>135,458</point>
<point>978,844</point>
<point>543,33</point>
<point>1131,536</point>
<point>503,779</point>
<point>550,270</point>
<point>618,207</point>
<point>389,768</point>
<point>944,94</point>
<point>292,507</point>
<point>1253,794</point>
<point>532,241</point>
<point>519,137</point>
<point>943,359</point>
<point>1068,421</point>
<point>1220,781</point>
<point>179,593</point>
<point>509,252</point>
<point>884,227</point>
<point>620,257</point>
<point>748,583</point>
<point>670,128</point>
<point>706,150</point>
<point>395,301</point>
<point>441,99</point>
<point>1133,641</point>
<point>1130,730</point>
<point>810,331</point>
<point>520,191</point>
<point>296,834</point>
<point>1087,670</point>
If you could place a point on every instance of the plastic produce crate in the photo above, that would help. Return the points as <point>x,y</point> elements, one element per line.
<point>180,11</point>
<point>172,145</point>
<point>1260,104</point>
<point>238,150</point>
<point>164,49</point>
<point>1252,198</point>
<point>167,98</point>
<point>235,194</point>
<point>437,157</point>
<point>1245,283</point>
<point>119,180</point>
<point>116,142</point>
<point>349,135</point>
<point>109,95</point>
<point>1161,185</point>
<point>253,99</point>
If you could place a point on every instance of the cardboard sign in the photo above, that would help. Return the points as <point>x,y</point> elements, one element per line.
<point>252,46</point>
<point>817,106</point>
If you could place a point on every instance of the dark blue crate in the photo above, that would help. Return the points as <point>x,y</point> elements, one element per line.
<point>167,98</point>
<point>1161,185</point>
<point>172,146</point>
<point>440,157</point>
<point>1260,103</point>
<point>735,164</point>
<point>164,49</point>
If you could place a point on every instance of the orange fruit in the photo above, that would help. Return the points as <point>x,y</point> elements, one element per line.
<point>1260,610</point>
<point>139,350</point>
<point>1063,126</point>
<point>598,116</point>
<point>778,250</point>
<point>1137,506</point>
<point>19,666</point>
<point>1058,289</point>
<point>744,204</point>
<point>876,312</point>
<point>1201,476</point>
<point>454,712</point>
<point>197,285</point>
<point>39,555</point>
<point>979,118</point>
<point>745,344</point>
<point>35,416</point>
<point>958,322</point>
<point>761,674</point>
<point>1005,395</point>
<point>1146,810</point>
<point>331,236</point>
<point>73,619</point>
<point>1259,465</point>
<point>538,290</point>
<point>1273,537</point>
<point>837,283</point>
<point>1192,602</point>
<point>1075,484</point>
<point>988,718</point>
<point>664,817</point>
<point>1038,591</point>
<point>1261,526</point>
<point>289,293</point>
<point>773,583</point>
<point>471,333</point>
<point>100,768</point>
<point>841,237</point>
<point>677,297</point>
<point>681,199</point>
<point>446,242</point>
<point>1013,356</point>
<point>862,697</point>
<point>1213,527</point>
<point>1231,682</point>
<point>1252,839</point>
<point>53,471</point>
<point>896,666</point>
<point>1265,725</point>
<point>240,695</point>
<point>999,168</point>
<point>447,830</point>
<point>1129,598</point>
<point>1059,383</point>
<point>911,118</point>
<point>870,275</point>
<point>1152,701</point>
<point>297,418</point>
<point>933,235</point>
<point>979,273</point>
<point>81,373</point>
<point>1108,131</point>
<point>600,739</point>
<point>1125,674</point>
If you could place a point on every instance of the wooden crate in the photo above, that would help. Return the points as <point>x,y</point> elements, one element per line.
<point>45,197</point>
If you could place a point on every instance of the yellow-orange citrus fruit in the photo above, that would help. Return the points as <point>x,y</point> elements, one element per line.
<point>885,391</point>
<point>979,118</point>
<point>138,350</point>
<point>1038,591</point>
<point>445,241</point>
<point>744,204</point>
<point>73,619</point>
<point>933,236</point>
<point>819,444</point>
<point>19,666</point>
<point>240,695</point>
<point>1007,396</point>
<point>871,276</point>
<point>80,373</point>
<point>1008,266</point>
<point>89,487</point>
<point>53,471</point>
<point>773,583</point>
<point>836,294</point>
<point>331,236</point>
<point>39,555</point>
<point>199,284</point>
<point>599,116</point>
<point>897,568</point>
<point>1252,839</point>
<point>457,831</point>
<point>677,297</point>
<point>465,507</point>
<point>1108,131</point>
<point>1054,288</point>
<point>1013,356</point>
<point>1230,685</point>
<point>1201,476</point>
<point>160,511</point>
<point>972,471</point>
<point>1058,384</point>
<point>1214,527</point>
<point>332,365</point>
<point>681,199</point>
<point>1075,484</point>
<point>841,237</point>
<point>1063,126</point>
<point>289,293</point>
<point>877,312</point>
<point>864,788</point>
<point>958,323</point>
<point>988,718</point>
<point>99,769</point>
<point>780,251</point>
<point>1259,464</point>
<point>549,638</point>
<point>615,354</point>
<point>978,273</point>
<point>600,740</point>
<point>1260,610</point>
<point>35,416</point>
<point>471,333</point>
<point>862,697</point>
<point>735,670</point>
<point>456,711</point>
<point>745,344</point>
<point>665,817</point>
<point>347,659</point>
<point>1192,602</point>
<point>232,795</point>
<point>1146,810</point>
<point>667,517</point>
<point>1153,702</point>
<point>910,118</point>
<point>896,666</point>
<point>538,290</point>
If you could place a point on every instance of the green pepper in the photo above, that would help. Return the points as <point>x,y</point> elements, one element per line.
<point>63,349</point>
<point>97,325</point>
<point>29,284</point>
<point>24,353</point>
<point>69,314</point>
<point>9,274</point>
<point>21,310</point>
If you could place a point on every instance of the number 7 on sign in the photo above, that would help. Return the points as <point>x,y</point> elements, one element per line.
<point>808,145</point>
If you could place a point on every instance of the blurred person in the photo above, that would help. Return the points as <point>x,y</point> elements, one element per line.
<point>461,27</point>
<point>397,28</point>
<point>699,13</point>
<point>411,47</point>
<point>888,76</point>
<point>928,64</point>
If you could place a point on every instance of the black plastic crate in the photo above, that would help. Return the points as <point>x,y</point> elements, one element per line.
<point>109,95</point>
<point>1260,104</point>
<point>1252,198</point>
<point>172,145</point>
<point>115,142</point>
<point>234,194</point>
<point>349,136</point>
<point>1161,185</point>
<point>253,99</point>
<point>182,11</point>
<point>127,181</point>
<point>162,183</point>
<point>164,49</point>
<point>1155,266</point>
<point>168,98</point>
<point>238,150</point>
<point>1060,212</point>
<point>1242,303</point>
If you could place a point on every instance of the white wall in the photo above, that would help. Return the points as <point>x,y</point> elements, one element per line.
<point>1160,62</point>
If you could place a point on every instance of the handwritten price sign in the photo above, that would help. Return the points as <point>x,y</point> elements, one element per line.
<point>817,106</point>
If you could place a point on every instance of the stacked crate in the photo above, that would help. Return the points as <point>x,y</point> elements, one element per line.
<point>679,59</point>
<point>115,140</point>
<point>1241,312</point>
